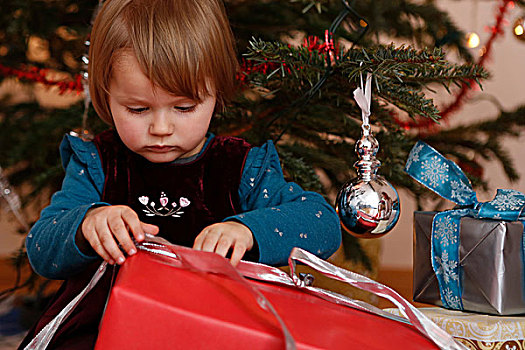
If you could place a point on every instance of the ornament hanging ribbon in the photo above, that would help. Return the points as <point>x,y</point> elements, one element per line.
<point>186,258</point>
<point>363,97</point>
<point>444,177</point>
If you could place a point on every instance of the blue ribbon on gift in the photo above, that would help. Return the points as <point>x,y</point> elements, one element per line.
<point>444,177</point>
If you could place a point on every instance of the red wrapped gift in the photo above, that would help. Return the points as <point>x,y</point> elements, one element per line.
<point>155,305</point>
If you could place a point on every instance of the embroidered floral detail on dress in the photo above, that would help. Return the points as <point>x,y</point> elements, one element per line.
<point>175,210</point>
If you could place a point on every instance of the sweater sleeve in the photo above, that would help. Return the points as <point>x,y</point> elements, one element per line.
<point>50,244</point>
<point>280,214</point>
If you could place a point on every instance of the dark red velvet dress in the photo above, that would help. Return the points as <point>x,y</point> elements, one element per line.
<point>181,198</point>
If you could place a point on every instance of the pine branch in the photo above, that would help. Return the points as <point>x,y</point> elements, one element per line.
<point>400,73</point>
<point>411,101</point>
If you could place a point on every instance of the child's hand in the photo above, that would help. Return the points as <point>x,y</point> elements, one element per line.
<point>220,237</point>
<point>106,227</point>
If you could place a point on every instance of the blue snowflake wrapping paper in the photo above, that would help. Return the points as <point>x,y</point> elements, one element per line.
<point>470,258</point>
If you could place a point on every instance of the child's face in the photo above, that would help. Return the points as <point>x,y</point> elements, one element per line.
<point>151,122</point>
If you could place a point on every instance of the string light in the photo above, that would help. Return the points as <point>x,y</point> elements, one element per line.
<point>472,40</point>
<point>473,37</point>
<point>519,28</point>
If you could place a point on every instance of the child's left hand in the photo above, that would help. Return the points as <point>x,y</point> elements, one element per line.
<point>220,237</point>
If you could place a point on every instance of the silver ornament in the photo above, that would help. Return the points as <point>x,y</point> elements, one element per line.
<point>368,205</point>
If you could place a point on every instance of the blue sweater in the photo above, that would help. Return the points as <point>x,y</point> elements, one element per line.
<point>280,214</point>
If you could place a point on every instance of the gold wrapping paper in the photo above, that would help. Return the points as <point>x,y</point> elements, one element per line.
<point>478,331</point>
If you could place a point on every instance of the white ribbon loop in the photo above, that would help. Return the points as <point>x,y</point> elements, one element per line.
<point>363,97</point>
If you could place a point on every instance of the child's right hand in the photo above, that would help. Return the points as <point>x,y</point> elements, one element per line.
<point>106,227</point>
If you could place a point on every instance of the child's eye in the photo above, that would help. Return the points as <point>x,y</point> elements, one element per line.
<point>185,109</point>
<point>137,110</point>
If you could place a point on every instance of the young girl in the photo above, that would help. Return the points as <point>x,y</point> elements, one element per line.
<point>158,71</point>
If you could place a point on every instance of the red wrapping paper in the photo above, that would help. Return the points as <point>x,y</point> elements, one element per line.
<point>154,305</point>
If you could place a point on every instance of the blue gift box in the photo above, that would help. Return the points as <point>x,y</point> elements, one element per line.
<point>469,258</point>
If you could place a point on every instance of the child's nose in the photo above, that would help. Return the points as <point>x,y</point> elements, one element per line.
<point>161,124</point>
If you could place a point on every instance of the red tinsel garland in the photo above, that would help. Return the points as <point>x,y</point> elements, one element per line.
<point>461,96</point>
<point>38,75</point>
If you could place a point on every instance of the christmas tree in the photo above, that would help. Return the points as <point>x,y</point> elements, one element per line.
<point>300,62</point>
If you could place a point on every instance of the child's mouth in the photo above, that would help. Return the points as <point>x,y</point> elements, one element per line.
<point>160,149</point>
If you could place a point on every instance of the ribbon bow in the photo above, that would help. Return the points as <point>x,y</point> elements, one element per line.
<point>444,177</point>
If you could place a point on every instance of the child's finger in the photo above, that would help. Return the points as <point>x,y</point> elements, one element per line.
<point>238,253</point>
<point>118,229</point>
<point>150,229</point>
<point>132,221</point>
<point>223,246</point>
<point>210,242</point>
<point>108,242</point>
<point>199,240</point>
<point>98,248</point>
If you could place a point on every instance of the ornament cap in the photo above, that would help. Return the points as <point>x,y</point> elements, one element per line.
<point>366,148</point>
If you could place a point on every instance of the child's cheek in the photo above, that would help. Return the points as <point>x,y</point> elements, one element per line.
<point>132,133</point>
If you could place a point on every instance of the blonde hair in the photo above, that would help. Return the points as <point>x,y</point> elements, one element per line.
<point>185,47</point>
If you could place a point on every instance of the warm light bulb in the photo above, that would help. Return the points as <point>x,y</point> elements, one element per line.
<point>519,28</point>
<point>472,40</point>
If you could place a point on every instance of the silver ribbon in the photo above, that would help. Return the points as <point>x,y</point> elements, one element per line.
<point>12,199</point>
<point>422,323</point>
<point>179,258</point>
<point>42,339</point>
